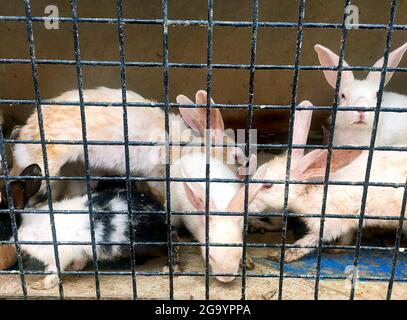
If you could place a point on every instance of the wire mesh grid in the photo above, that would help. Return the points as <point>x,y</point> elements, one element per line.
<point>209,66</point>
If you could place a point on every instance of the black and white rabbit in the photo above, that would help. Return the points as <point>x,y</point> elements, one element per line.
<point>111,225</point>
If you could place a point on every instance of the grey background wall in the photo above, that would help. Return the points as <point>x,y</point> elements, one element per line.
<point>188,44</point>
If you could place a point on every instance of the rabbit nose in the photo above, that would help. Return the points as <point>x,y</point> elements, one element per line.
<point>361,116</point>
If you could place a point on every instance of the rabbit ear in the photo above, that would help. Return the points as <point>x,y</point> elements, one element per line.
<point>216,117</point>
<point>394,60</point>
<point>302,124</point>
<point>18,194</point>
<point>181,99</point>
<point>313,165</point>
<point>23,190</point>
<point>196,195</point>
<point>329,59</point>
<point>32,185</point>
<point>237,202</point>
<point>189,114</point>
<point>196,117</point>
<point>201,97</point>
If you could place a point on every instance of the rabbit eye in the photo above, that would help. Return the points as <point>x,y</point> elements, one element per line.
<point>343,96</point>
<point>267,186</point>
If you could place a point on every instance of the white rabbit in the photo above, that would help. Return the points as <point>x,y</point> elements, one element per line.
<point>278,163</point>
<point>355,127</point>
<point>224,197</point>
<point>387,167</point>
<point>109,227</point>
<point>145,124</point>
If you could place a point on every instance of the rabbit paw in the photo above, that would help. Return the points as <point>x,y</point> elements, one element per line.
<point>290,255</point>
<point>250,265</point>
<point>257,225</point>
<point>175,268</point>
<point>274,255</point>
<point>78,265</point>
<point>48,282</point>
<point>335,251</point>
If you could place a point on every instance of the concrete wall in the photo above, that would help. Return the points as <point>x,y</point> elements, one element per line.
<point>188,44</point>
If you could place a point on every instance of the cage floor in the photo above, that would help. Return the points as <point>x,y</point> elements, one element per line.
<point>188,287</point>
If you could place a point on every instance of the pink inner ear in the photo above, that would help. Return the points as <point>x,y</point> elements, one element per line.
<point>302,124</point>
<point>237,202</point>
<point>217,120</point>
<point>201,97</point>
<point>195,195</point>
<point>327,58</point>
<point>191,116</point>
<point>394,60</point>
<point>196,117</point>
<point>216,116</point>
<point>313,165</point>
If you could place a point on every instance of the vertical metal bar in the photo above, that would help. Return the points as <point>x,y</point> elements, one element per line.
<point>208,144</point>
<point>38,107</point>
<point>126,144</point>
<point>389,39</point>
<point>167,147</point>
<point>330,146</point>
<point>397,244</point>
<point>249,124</point>
<point>290,143</point>
<point>12,214</point>
<point>75,30</point>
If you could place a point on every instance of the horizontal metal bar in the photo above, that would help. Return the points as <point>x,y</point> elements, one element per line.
<point>203,23</point>
<point>214,213</point>
<point>101,104</point>
<point>260,146</point>
<point>212,180</point>
<point>202,274</point>
<point>156,64</point>
<point>255,245</point>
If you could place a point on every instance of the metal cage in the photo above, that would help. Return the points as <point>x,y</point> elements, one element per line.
<point>165,66</point>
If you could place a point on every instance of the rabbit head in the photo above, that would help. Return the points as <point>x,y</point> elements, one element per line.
<point>311,166</point>
<point>357,93</point>
<point>274,199</point>
<point>223,229</point>
<point>196,120</point>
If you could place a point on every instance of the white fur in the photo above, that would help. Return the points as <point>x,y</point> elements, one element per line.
<point>222,229</point>
<point>69,227</point>
<point>349,130</point>
<point>391,129</point>
<point>343,200</point>
<point>106,123</point>
<point>147,124</point>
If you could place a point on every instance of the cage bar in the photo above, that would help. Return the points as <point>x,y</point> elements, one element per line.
<point>124,63</point>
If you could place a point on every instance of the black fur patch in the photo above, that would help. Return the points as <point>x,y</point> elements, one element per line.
<point>6,231</point>
<point>147,227</point>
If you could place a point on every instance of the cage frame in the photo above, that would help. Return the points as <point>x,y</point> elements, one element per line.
<point>210,23</point>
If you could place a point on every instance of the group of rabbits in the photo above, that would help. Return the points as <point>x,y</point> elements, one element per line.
<point>149,221</point>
